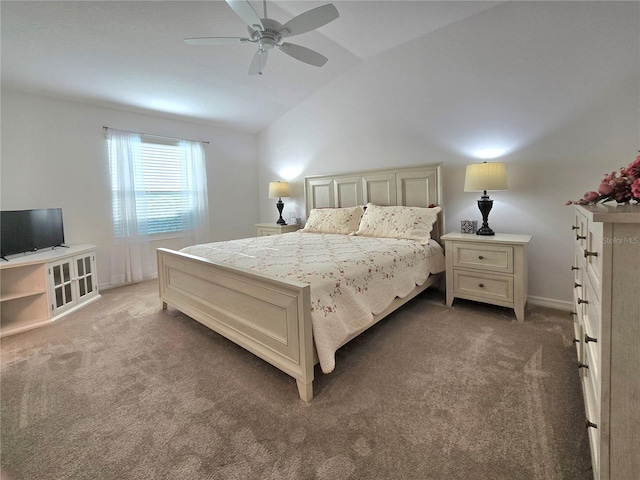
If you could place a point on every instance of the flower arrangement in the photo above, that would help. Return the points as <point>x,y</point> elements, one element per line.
<point>622,186</point>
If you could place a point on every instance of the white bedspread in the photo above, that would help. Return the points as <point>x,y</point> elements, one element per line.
<point>351,277</point>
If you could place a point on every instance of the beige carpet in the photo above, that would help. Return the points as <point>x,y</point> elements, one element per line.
<point>124,390</point>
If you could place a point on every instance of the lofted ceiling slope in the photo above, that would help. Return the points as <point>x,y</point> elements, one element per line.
<point>131,54</point>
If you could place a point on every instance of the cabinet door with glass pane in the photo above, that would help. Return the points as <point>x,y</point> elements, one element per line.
<point>85,275</point>
<point>71,281</point>
<point>62,288</point>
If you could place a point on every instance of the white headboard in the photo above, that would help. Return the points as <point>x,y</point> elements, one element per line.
<point>418,186</point>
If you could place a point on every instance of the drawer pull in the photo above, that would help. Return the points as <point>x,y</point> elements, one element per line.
<point>575,340</point>
<point>583,365</point>
<point>574,227</point>
<point>581,237</point>
<point>573,313</point>
<point>587,253</point>
<point>480,257</point>
<point>574,268</point>
<point>591,424</point>
<point>582,301</point>
<point>576,285</point>
<point>588,339</point>
<point>481,285</point>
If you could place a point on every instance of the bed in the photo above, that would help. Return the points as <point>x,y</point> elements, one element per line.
<point>271,306</point>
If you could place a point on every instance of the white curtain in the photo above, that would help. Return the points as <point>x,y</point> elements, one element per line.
<point>194,181</point>
<point>130,259</point>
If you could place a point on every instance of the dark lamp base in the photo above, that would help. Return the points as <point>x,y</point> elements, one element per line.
<point>485,204</point>
<point>485,231</point>
<point>280,206</point>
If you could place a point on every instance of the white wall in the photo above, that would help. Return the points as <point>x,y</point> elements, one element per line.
<point>54,154</point>
<point>554,84</point>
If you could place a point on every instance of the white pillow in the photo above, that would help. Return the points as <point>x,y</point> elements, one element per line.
<point>334,220</point>
<point>413,223</point>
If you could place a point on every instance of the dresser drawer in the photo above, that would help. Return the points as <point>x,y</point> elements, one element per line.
<point>592,358</point>
<point>578,338</point>
<point>593,255</point>
<point>578,327</point>
<point>578,266</point>
<point>590,392</point>
<point>495,287</point>
<point>591,395</point>
<point>579,229</point>
<point>495,258</point>
<point>592,312</point>
<point>594,444</point>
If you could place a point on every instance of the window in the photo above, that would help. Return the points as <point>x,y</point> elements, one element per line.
<point>161,180</point>
<point>168,207</point>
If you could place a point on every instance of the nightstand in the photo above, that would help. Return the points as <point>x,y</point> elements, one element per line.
<point>265,229</point>
<point>490,269</point>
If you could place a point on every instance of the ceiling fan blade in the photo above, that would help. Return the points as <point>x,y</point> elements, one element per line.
<point>246,12</point>
<point>309,20</point>
<point>215,40</point>
<point>304,54</point>
<point>258,62</point>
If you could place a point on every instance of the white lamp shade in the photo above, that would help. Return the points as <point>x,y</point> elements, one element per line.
<point>485,176</point>
<point>278,189</point>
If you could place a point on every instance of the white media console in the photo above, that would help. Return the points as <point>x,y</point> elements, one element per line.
<point>37,288</point>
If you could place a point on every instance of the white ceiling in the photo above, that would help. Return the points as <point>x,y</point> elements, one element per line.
<point>131,55</point>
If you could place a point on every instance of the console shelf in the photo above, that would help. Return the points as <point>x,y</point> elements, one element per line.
<point>37,288</point>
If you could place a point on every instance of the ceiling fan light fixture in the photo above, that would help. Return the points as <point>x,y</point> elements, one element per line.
<point>266,43</point>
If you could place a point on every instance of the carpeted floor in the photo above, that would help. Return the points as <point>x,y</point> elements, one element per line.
<point>124,390</point>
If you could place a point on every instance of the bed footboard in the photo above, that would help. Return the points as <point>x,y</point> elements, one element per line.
<point>269,317</point>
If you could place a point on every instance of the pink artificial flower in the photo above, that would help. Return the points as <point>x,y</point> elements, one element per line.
<point>634,167</point>
<point>591,196</point>
<point>621,196</point>
<point>605,189</point>
<point>622,186</point>
<point>635,187</point>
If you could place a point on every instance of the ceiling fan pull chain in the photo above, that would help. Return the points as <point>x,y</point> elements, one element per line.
<point>264,2</point>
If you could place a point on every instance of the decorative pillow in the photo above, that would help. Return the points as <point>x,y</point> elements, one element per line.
<point>334,220</point>
<point>413,223</point>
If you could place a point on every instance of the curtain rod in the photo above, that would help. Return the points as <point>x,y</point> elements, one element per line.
<point>153,135</point>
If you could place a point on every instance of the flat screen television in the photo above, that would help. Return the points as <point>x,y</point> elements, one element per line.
<point>30,230</point>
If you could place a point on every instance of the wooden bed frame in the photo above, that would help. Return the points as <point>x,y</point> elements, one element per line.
<point>271,317</point>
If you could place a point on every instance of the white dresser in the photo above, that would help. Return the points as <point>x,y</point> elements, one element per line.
<point>607,334</point>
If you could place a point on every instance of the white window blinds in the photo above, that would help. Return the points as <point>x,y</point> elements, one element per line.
<point>164,180</point>
<point>168,207</point>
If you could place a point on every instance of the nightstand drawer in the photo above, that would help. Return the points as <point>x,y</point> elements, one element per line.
<point>495,258</point>
<point>495,287</point>
<point>265,229</point>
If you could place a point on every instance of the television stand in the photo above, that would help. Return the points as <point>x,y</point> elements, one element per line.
<point>40,287</point>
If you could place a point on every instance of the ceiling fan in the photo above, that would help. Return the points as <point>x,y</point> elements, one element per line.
<point>268,33</point>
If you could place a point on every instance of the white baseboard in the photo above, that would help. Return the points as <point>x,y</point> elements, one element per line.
<point>551,303</point>
<point>107,286</point>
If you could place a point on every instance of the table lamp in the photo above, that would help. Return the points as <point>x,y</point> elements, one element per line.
<point>481,177</point>
<point>279,190</point>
